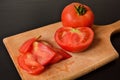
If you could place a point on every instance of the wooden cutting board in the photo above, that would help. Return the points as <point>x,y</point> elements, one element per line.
<point>98,54</point>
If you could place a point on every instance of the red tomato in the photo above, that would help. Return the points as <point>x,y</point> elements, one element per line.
<point>77,15</point>
<point>43,53</point>
<point>26,46</point>
<point>29,63</point>
<point>74,39</point>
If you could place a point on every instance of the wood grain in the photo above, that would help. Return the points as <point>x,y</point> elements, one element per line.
<point>98,54</point>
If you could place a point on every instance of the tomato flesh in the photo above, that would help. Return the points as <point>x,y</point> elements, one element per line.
<point>74,39</point>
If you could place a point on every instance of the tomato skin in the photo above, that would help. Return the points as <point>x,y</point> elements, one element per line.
<point>74,39</point>
<point>26,46</point>
<point>71,18</point>
<point>28,63</point>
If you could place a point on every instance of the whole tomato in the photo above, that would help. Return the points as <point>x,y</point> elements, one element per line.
<point>77,15</point>
<point>74,39</point>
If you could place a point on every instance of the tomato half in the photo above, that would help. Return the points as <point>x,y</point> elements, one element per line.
<point>77,15</point>
<point>74,39</point>
<point>29,64</point>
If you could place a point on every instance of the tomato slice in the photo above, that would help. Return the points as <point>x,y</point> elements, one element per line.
<point>60,55</point>
<point>29,64</point>
<point>63,53</point>
<point>26,46</point>
<point>43,53</point>
<point>56,58</point>
<point>74,39</point>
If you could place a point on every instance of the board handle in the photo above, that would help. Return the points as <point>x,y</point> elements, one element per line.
<point>114,27</point>
<point>107,30</point>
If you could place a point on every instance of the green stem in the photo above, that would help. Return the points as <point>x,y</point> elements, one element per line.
<point>81,10</point>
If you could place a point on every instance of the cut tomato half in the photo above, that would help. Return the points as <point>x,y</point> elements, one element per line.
<point>74,39</point>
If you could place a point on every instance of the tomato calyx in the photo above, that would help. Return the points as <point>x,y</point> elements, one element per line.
<point>81,10</point>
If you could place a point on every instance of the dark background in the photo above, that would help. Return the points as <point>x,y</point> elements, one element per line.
<point>17,16</point>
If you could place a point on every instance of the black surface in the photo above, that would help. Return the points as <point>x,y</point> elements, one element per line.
<point>21,15</point>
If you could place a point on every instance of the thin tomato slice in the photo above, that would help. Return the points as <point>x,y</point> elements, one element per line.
<point>56,58</point>
<point>29,64</point>
<point>74,39</point>
<point>60,55</point>
<point>63,53</point>
<point>26,46</point>
<point>43,53</point>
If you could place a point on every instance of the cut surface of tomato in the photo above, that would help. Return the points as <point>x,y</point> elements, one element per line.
<point>29,64</point>
<point>43,53</point>
<point>74,39</point>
